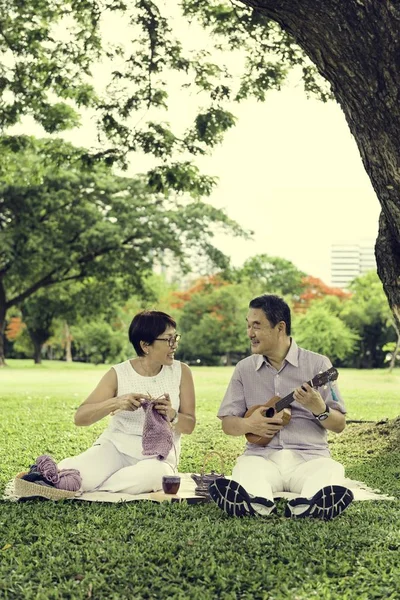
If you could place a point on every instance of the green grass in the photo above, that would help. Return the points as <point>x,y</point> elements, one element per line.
<point>144,550</point>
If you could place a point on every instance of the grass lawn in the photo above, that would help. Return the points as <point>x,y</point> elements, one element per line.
<point>143,550</point>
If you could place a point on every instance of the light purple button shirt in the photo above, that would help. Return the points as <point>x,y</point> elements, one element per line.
<point>255,381</point>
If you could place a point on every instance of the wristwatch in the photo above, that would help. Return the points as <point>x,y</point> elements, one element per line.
<point>324,415</point>
<point>175,419</point>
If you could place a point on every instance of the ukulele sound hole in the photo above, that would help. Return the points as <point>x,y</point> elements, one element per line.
<point>270,412</point>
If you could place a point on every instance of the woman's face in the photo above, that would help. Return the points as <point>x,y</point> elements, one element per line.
<point>163,348</point>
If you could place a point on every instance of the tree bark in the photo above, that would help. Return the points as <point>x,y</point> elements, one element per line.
<point>395,351</point>
<point>37,352</point>
<point>68,343</point>
<point>2,324</point>
<point>355,45</point>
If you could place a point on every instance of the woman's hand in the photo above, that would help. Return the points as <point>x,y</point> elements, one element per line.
<point>164,407</point>
<point>129,401</point>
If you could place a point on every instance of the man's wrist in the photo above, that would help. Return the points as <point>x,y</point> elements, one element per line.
<point>246,426</point>
<point>323,414</point>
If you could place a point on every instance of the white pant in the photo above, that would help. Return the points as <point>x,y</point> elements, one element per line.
<point>285,470</point>
<point>104,468</point>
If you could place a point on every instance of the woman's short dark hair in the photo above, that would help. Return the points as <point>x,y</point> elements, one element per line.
<point>146,326</point>
<point>275,309</point>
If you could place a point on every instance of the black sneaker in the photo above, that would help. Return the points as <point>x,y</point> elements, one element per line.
<point>326,504</point>
<point>233,499</point>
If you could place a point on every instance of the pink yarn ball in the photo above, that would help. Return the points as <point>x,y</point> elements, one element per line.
<point>48,468</point>
<point>69,479</point>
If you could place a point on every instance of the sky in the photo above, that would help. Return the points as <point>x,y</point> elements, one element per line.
<point>289,170</point>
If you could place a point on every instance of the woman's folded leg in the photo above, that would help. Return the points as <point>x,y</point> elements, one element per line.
<point>95,464</point>
<point>140,478</point>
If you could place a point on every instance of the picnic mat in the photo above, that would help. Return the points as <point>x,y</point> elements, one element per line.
<point>187,493</point>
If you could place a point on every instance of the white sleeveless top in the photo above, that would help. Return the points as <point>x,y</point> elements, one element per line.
<point>126,427</point>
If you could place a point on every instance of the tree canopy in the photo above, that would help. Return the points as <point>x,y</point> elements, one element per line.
<point>61,221</point>
<point>272,274</point>
<point>50,51</point>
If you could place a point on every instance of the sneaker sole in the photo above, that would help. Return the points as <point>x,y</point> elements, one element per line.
<point>326,504</point>
<point>231,497</point>
<point>330,502</point>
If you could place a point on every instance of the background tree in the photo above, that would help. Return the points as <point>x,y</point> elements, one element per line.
<point>38,314</point>
<point>213,325</point>
<point>62,222</point>
<point>98,342</point>
<point>320,330</point>
<point>313,289</point>
<point>272,275</point>
<point>67,319</point>
<point>357,59</point>
<point>202,285</point>
<point>66,304</point>
<point>368,315</point>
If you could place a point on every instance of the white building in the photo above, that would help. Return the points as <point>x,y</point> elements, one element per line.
<point>349,260</point>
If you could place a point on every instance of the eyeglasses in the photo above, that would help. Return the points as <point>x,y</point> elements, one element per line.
<point>174,339</point>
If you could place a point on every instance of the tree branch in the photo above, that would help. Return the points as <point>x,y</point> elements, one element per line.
<point>46,280</point>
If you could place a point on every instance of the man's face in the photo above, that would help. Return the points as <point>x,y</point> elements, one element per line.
<point>263,337</point>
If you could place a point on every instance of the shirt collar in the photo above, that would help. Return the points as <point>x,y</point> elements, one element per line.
<point>291,357</point>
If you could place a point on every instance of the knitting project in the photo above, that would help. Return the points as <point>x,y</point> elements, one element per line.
<point>157,433</point>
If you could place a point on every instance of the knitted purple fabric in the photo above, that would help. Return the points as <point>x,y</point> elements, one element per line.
<point>157,433</point>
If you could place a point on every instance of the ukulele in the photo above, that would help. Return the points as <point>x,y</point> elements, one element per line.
<point>277,406</point>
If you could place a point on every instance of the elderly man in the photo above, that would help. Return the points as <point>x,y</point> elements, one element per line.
<point>296,456</point>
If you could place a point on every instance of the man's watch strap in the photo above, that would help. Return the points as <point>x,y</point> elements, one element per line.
<point>324,415</point>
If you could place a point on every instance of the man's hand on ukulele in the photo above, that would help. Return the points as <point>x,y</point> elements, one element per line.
<point>264,426</point>
<point>309,398</point>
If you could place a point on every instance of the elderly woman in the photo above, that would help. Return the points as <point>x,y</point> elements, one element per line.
<point>116,462</point>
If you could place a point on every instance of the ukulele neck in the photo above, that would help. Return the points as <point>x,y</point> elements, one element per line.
<point>287,400</point>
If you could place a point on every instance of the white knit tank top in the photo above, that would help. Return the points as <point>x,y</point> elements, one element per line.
<point>126,424</point>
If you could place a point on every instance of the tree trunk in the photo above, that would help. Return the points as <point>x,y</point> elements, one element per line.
<point>2,324</point>
<point>395,351</point>
<point>68,343</point>
<point>37,352</point>
<point>37,340</point>
<point>355,44</point>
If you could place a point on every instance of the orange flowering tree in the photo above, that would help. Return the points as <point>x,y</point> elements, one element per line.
<point>315,289</point>
<point>213,324</point>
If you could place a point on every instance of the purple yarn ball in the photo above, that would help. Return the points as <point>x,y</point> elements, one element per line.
<point>48,468</point>
<point>70,480</point>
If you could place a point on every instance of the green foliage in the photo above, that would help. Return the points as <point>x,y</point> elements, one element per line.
<point>321,331</point>
<point>63,222</point>
<point>368,314</point>
<point>39,62</point>
<point>271,275</point>
<point>213,325</point>
<point>50,52</point>
<point>23,344</point>
<point>71,302</point>
<point>97,342</point>
<point>270,52</point>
